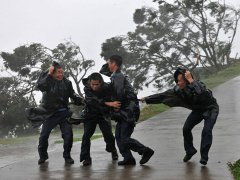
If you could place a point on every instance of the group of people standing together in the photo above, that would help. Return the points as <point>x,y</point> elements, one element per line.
<point>117,101</point>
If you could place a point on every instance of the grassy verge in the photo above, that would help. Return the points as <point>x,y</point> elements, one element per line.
<point>18,140</point>
<point>77,135</point>
<point>77,139</point>
<point>235,169</point>
<point>223,76</point>
<point>151,110</point>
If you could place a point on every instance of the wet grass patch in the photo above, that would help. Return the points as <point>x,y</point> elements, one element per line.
<point>78,139</point>
<point>151,110</point>
<point>223,76</point>
<point>235,169</point>
<point>17,140</point>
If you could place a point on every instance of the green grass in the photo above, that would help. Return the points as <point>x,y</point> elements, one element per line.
<point>18,140</point>
<point>151,110</point>
<point>223,76</point>
<point>76,139</point>
<point>29,138</point>
<point>235,169</point>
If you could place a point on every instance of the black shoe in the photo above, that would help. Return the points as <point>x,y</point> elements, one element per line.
<point>127,162</point>
<point>147,154</point>
<point>187,157</point>
<point>114,155</point>
<point>203,161</point>
<point>87,162</point>
<point>69,160</point>
<point>42,160</point>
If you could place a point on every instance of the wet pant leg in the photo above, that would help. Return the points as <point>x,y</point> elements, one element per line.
<point>47,127</point>
<point>89,129</point>
<point>193,119</point>
<point>125,143</point>
<point>105,127</point>
<point>67,134</point>
<point>207,136</point>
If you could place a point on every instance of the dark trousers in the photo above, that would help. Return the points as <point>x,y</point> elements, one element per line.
<point>59,118</point>
<point>193,119</point>
<point>125,143</point>
<point>89,129</point>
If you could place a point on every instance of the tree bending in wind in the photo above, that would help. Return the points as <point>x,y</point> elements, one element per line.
<point>24,66</point>
<point>174,35</point>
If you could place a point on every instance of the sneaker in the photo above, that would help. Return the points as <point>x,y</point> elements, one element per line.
<point>69,160</point>
<point>114,155</point>
<point>87,162</point>
<point>147,154</point>
<point>127,162</point>
<point>187,157</point>
<point>42,160</point>
<point>203,161</point>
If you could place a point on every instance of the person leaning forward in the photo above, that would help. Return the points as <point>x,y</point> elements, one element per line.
<point>97,97</point>
<point>126,115</point>
<point>56,91</point>
<point>194,95</point>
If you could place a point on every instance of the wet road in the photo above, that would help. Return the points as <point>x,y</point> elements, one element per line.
<point>164,134</point>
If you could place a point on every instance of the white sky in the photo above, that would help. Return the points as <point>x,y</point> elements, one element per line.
<point>87,22</point>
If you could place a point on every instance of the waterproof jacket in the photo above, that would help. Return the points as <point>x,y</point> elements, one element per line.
<point>56,94</point>
<point>123,91</point>
<point>195,97</point>
<point>95,100</point>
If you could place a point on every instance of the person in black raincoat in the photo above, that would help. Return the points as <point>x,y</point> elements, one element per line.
<point>56,91</point>
<point>97,97</point>
<point>194,95</point>
<point>126,115</point>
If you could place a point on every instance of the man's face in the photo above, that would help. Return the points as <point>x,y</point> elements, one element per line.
<point>112,66</point>
<point>58,74</point>
<point>181,82</point>
<point>95,85</point>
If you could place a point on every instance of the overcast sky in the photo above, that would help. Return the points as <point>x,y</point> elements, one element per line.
<point>87,22</point>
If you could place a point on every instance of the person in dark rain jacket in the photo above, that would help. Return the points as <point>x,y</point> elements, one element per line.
<point>126,115</point>
<point>97,100</point>
<point>56,91</point>
<point>194,95</point>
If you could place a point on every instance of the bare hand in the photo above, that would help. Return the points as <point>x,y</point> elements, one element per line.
<point>188,76</point>
<point>50,70</point>
<point>115,104</point>
<point>142,100</point>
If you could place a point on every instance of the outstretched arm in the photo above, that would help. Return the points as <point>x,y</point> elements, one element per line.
<point>169,98</point>
<point>160,97</point>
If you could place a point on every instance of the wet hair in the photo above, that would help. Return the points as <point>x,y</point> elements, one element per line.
<point>117,59</point>
<point>177,72</point>
<point>96,76</point>
<point>56,66</point>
